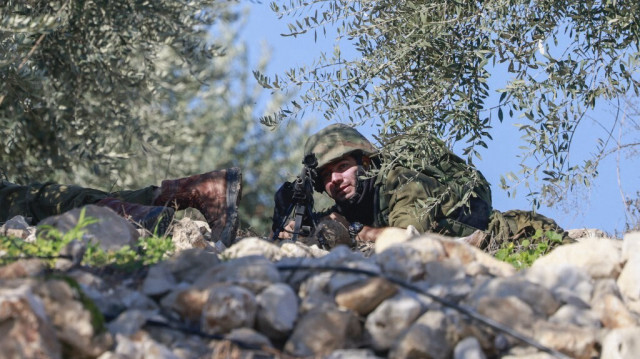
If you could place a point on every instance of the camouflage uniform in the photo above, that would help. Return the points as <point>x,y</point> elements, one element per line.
<point>399,192</point>
<point>41,200</point>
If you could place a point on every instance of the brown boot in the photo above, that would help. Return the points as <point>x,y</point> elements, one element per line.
<point>155,219</point>
<point>215,194</point>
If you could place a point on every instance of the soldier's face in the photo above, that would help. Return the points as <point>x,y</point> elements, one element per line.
<point>340,178</point>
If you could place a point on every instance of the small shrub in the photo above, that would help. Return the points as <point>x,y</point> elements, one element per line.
<point>523,254</point>
<point>50,241</point>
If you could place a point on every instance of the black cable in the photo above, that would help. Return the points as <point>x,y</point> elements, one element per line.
<point>462,309</point>
<point>198,332</point>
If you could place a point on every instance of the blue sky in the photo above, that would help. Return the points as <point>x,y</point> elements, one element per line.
<point>600,206</point>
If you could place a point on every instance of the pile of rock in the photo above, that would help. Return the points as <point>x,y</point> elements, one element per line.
<point>258,299</point>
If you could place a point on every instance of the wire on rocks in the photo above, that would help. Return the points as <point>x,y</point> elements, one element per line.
<point>462,309</point>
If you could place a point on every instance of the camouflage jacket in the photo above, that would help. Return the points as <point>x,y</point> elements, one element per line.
<point>407,197</point>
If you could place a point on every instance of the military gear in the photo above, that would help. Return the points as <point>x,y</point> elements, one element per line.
<point>515,224</point>
<point>336,141</point>
<point>155,219</point>
<point>406,197</point>
<point>41,200</point>
<point>215,194</point>
<point>441,193</point>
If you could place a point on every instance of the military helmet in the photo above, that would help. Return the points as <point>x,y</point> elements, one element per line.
<point>336,141</point>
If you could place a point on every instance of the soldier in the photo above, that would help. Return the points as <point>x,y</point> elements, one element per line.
<point>447,196</point>
<point>215,194</point>
<point>368,205</point>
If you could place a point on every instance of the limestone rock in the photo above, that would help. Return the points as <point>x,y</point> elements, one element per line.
<point>567,282</point>
<point>253,246</point>
<point>630,245</point>
<point>390,319</point>
<point>468,348</point>
<point>228,307</point>
<point>629,279</point>
<point>321,332</point>
<point>141,347</point>
<point>277,310</point>
<point>599,257</point>
<point>393,235</point>
<point>27,331</point>
<point>253,272</point>
<point>158,281</point>
<point>612,312</point>
<point>187,265</point>
<point>249,336</point>
<point>75,324</point>
<point>536,296</point>
<point>570,314</point>
<point>129,322</point>
<point>22,268</point>
<point>576,342</point>
<point>510,311</point>
<point>187,302</point>
<point>353,354</point>
<point>111,232</point>
<point>621,344</point>
<point>188,234</point>
<point>581,233</point>
<point>17,227</point>
<point>429,337</point>
<point>494,266</point>
<point>364,296</point>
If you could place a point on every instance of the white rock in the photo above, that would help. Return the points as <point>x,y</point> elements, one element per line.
<point>158,281</point>
<point>599,257</point>
<point>254,273</point>
<point>631,245</point>
<point>277,310</point>
<point>253,246</point>
<point>249,336</point>
<point>187,234</point>
<point>129,322</point>
<point>621,344</point>
<point>468,348</point>
<point>564,280</point>
<point>428,337</point>
<point>393,235</point>
<point>576,316</point>
<point>228,307</point>
<point>322,331</point>
<point>352,354</point>
<point>536,296</point>
<point>629,279</point>
<point>392,317</point>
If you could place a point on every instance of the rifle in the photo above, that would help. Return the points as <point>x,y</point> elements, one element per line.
<point>297,197</point>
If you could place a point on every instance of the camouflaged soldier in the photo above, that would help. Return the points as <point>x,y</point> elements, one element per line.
<point>391,198</point>
<point>215,194</point>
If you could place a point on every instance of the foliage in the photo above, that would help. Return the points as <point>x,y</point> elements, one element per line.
<point>50,242</point>
<point>435,67</point>
<point>121,94</point>
<point>47,245</point>
<point>523,254</point>
<point>633,213</point>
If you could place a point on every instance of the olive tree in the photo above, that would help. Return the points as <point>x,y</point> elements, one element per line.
<point>119,94</point>
<point>434,68</point>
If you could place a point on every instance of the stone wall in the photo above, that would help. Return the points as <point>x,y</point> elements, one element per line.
<point>411,296</point>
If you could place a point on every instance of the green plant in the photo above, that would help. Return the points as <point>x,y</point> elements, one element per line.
<point>47,245</point>
<point>522,254</point>
<point>149,250</point>
<point>49,242</point>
